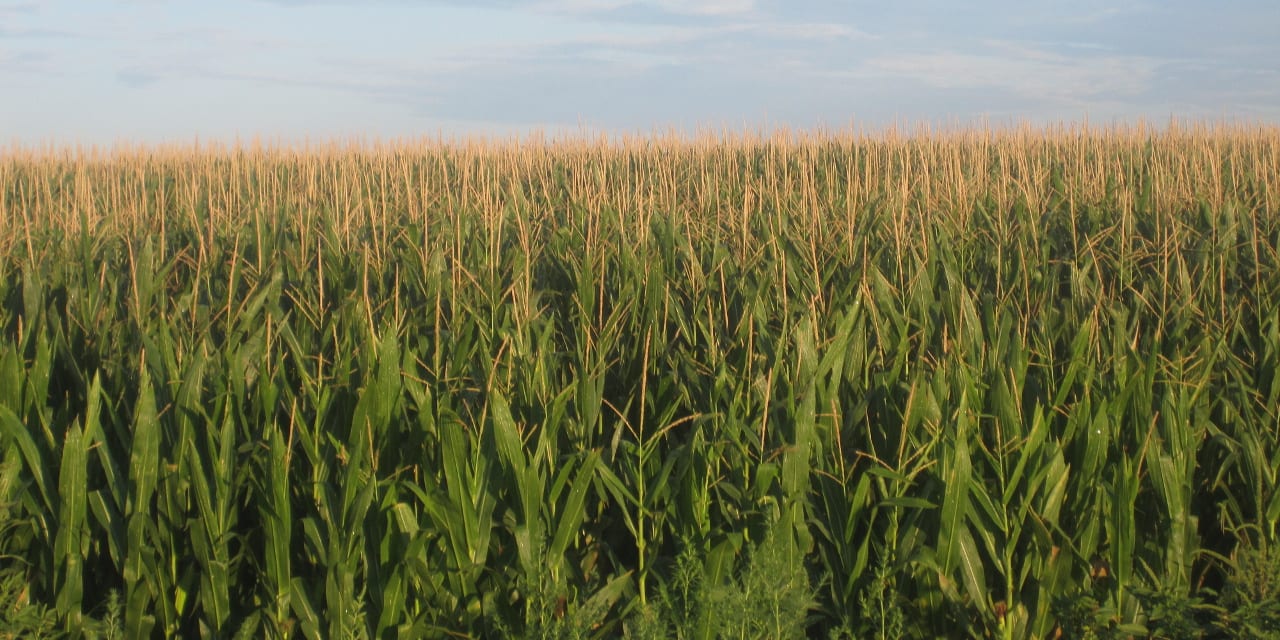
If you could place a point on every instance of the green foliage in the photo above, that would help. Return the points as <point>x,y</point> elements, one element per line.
<point>1174,615</point>
<point>19,617</point>
<point>1251,596</point>
<point>993,385</point>
<point>1082,616</point>
<point>883,608</point>
<point>769,597</point>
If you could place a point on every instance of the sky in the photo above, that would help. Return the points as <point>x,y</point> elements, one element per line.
<point>152,71</point>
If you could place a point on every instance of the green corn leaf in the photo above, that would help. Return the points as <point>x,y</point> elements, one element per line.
<point>573,514</point>
<point>908,502</point>
<point>971,568</point>
<point>957,479</point>
<point>305,613</point>
<point>276,513</point>
<point>68,543</point>
<point>10,377</point>
<point>144,468</point>
<point>1028,454</point>
<point>506,433</point>
<point>36,459</point>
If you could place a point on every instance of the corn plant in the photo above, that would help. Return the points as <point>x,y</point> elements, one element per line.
<point>1015,383</point>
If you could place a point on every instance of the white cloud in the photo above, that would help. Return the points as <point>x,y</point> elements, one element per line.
<point>1023,70</point>
<point>803,30</point>
<point>696,7</point>
<point>14,9</point>
<point>629,60</point>
<point>708,7</point>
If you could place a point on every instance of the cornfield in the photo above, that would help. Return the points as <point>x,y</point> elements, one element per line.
<point>978,383</point>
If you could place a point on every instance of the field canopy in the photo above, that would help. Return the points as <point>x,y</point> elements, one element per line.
<point>1001,383</point>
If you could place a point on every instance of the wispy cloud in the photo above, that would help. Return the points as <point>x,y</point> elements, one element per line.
<point>693,7</point>
<point>1022,70</point>
<point>12,9</point>
<point>624,64</point>
<point>612,73</point>
<point>808,31</point>
<point>29,33</point>
<point>137,78</point>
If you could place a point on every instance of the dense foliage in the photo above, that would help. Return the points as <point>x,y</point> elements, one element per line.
<point>986,383</point>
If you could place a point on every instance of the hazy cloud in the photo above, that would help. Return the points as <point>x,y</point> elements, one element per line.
<point>137,79</point>
<point>692,7</point>
<point>1025,70</point>
<point>329,66</point>
<point>13,9</point>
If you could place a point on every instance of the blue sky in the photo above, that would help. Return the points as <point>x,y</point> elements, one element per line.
<point>156,71</point>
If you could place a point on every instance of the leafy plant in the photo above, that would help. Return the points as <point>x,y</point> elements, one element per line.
<point>992,383</point>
